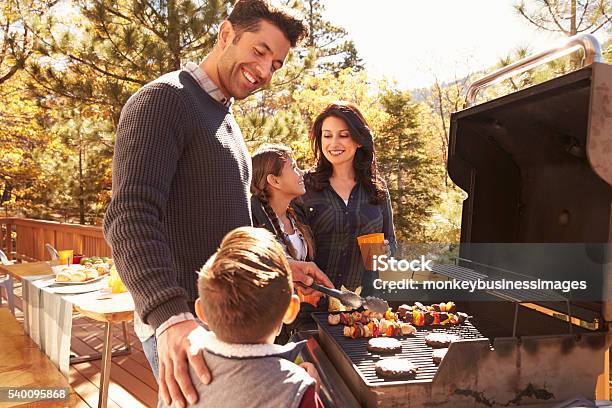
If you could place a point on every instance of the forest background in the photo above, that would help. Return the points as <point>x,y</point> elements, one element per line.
<point>67,67</point>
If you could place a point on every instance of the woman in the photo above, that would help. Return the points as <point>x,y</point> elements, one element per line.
<point>345,195</point>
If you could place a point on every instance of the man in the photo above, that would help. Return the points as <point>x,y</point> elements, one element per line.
<point>181,177</point>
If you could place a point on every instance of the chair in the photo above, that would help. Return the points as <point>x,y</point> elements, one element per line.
<point>6,282</point>
<point>52,252</point>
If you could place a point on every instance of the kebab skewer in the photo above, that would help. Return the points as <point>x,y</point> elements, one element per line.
<point>371,324</point>
<point>376,328</point>
<point>442,314</point>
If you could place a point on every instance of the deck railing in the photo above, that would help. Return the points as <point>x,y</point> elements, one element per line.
<point>24,238</point>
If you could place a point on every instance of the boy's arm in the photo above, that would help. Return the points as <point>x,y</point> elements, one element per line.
<point>311,399</point>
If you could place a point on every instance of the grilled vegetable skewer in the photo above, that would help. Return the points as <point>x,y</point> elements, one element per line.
<point>442,314</point>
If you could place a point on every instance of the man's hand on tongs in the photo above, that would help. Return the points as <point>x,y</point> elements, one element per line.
<point>304,273</point>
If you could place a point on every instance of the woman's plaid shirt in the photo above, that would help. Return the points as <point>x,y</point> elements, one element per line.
<point>336,226</point>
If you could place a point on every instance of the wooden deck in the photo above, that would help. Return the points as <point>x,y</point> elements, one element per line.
<point>132,384</point>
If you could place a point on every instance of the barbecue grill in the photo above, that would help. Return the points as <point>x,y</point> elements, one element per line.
<point>537,168</point>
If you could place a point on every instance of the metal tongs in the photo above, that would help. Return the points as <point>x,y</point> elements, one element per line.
<point>353,300</point>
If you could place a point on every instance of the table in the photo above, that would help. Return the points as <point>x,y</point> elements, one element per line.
<point>108,308</point>
<point>21,270</point>
<point>116,308</point>
<point>23,365</point>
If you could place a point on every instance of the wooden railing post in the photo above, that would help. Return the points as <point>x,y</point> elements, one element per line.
<point>9,240</point>
<point>3,235</point>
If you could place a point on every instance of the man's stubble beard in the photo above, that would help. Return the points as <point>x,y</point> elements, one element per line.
<point>226,67</point>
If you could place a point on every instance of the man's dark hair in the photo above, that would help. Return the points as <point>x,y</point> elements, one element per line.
<point>247,14</point>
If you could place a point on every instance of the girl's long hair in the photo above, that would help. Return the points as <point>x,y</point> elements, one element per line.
<point>270,159</point>
<point>364,162</point>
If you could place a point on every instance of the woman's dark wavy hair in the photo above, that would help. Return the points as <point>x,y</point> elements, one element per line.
<point>364,162</point>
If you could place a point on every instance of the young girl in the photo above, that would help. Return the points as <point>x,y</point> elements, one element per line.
<point>345,195</point>
<point>277,180</point>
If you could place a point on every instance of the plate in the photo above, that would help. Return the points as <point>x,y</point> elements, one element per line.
<point>80,283</point>
<point>76,289</point>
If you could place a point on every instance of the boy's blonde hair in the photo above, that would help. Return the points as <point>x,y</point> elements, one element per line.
<point>245,287</point>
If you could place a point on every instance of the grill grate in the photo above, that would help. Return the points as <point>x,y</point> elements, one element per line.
<point>413,348</point>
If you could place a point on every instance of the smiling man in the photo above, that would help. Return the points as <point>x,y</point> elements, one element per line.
<point>181,177</point>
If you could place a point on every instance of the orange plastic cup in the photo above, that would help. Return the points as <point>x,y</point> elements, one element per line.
<point>65,256</point>
<point>376,238</point>
<point>371,245</point>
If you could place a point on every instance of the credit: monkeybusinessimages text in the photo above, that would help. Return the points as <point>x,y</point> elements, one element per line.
<point>385,263</point>
<point>479,284</point>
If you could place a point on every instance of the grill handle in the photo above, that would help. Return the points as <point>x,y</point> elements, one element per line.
<point>588,42</point>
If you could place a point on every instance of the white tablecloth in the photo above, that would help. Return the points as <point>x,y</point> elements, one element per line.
<point>48,316</point>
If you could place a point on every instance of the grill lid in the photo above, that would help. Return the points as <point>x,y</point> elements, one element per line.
<point>536,167</point>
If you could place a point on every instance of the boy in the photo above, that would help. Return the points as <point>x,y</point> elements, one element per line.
<point>246,294</point>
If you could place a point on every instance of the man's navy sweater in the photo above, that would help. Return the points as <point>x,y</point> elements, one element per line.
<point>181,177</point>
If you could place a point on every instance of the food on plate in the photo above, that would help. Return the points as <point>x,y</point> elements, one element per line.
<point>77,273</point>
<point>78,276</point>
<point>91,273</point>
<point>438,355</point>
<point>63,276</point>
<point>440,340</point>
<point>395,368</point>
<point>114,281</point>
<point>102,269</point>
<point>101,264</point>
<point>384,345</point>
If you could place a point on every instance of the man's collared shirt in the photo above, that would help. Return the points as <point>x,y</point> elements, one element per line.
<point>207,84</point>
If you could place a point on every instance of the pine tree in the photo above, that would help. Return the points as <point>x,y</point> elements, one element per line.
<point>111,48</point>
<point>569,17</point>
<point>413,178</point>
<point>24,133</point>
<point>90,57</point>
<point>334,50</point>
<point>17,39</point>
